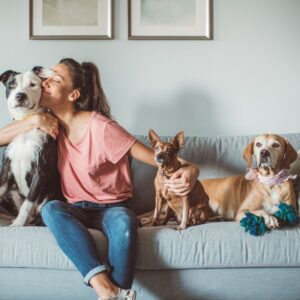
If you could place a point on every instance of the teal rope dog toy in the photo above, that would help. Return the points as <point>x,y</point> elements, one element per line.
<point>254,224</point>
<point>287,215</point>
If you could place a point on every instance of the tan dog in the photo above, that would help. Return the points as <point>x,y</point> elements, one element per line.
<point>262,188</point>
<point>188,210</point>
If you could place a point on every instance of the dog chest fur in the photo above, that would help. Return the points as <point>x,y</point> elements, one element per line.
<point>23,151</point>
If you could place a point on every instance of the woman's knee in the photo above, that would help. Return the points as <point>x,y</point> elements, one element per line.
<point>51,208</point>
<point>125,222</point>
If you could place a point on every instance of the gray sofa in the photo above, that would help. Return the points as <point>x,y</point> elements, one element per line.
<point>210,261</point>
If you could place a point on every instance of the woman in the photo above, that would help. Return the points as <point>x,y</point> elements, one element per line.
<point>93,155</point>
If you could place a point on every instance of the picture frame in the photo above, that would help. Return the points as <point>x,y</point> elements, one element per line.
<point>71,20</point>
<point>170,19</point>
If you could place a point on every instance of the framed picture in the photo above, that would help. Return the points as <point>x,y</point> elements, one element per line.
<point>170,19</point>
<point>71,19</point>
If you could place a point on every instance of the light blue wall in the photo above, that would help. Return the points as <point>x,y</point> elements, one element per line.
<point>245,81</point>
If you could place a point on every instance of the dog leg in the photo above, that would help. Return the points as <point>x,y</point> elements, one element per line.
<point>24,214</point>
<point>3,189</point>
<point>145,219</point>
<point>158,205</point>
<point>31,202</point>
<point>199,216</point>
<point>167,216</point>
<point>185,214</point>
<point>4,178</point>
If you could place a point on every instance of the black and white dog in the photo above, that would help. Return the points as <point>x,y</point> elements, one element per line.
<point>29,175</point>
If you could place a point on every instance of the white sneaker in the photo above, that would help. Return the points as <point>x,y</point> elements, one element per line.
<point>123,295</point>
<point>127,294</point>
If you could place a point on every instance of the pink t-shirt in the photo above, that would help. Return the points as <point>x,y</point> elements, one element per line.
<point>96,168</point>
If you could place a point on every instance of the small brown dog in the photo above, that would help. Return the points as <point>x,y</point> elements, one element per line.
<point>188,210</point>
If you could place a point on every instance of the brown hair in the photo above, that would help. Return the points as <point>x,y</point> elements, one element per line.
<point>86,78</point>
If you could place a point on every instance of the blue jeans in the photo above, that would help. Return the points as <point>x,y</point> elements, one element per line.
<point>69,222</point>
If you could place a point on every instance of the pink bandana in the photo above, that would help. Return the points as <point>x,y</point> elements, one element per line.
<point>279,178</point>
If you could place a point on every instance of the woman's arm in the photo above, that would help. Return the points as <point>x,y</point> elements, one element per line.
<point>182,181</point>
<point>44,121</point>
<point>143,153</point>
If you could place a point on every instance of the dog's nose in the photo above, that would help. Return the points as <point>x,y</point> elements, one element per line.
<point>20,97</point>
<point>264,153</point>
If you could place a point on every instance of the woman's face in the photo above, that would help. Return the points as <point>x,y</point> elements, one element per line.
<point>57,88</point>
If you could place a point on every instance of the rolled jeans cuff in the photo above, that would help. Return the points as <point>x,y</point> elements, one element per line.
<point>93,272</point>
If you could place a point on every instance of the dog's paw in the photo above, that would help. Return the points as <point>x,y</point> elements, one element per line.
<point>145,222</point>
<point>271,222</point>
<point>16,223</point>
<point>180,227</point>
<point>154,223</point>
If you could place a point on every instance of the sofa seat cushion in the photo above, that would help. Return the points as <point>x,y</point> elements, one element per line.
<point>216,245</point>
<point>35,247</point>
<point>212,245</point>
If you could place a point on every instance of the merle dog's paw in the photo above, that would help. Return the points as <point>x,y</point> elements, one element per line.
<point>16,223</point>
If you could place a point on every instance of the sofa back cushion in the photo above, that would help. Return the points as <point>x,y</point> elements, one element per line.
<point>217,156</point>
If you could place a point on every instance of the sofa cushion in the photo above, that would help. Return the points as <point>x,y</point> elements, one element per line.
<point>35,247</point>
<point>216,245</point>
<point>212,245</point>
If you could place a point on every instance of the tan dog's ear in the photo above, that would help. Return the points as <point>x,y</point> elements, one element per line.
<point>247,155</point>
<point>153,137</point>
<point>178,140</point>
<point>290,155</point>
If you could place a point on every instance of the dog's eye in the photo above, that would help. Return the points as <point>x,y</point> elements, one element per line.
<point>12,84</point>
<point>32,84</point>
<point>275,145</point>
<point>258,144</point>
<point>156,148</point>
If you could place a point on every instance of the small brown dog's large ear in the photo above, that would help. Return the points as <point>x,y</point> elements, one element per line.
<point>290,155</point>
<point>178,140</point>
<point>247,154</point>
<point>153,137</point>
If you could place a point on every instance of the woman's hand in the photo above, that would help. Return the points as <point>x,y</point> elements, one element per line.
<point>183,180</point>
<point>46,122</point>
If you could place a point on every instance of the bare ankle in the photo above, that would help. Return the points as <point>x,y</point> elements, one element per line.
<point>103,286</point>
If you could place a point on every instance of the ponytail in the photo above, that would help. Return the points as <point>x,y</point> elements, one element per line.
<point>86,78</point>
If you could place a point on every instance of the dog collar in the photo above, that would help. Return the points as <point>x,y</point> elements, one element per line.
<point>164,172</point>
<point>279,178</point>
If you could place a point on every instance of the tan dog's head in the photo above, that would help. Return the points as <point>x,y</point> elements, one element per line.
<point>272,153</point>
<point>166,152</point>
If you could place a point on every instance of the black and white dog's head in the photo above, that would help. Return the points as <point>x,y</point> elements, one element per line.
<point>23,91</point>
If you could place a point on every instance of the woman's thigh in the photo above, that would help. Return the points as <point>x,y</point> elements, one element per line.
<point>56,211</point>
